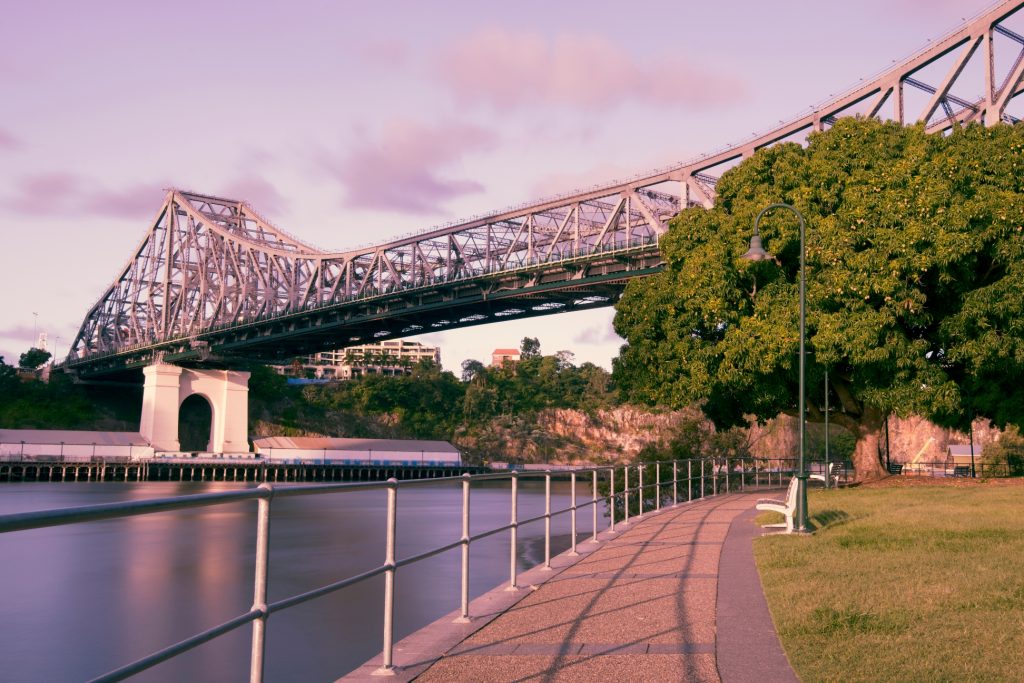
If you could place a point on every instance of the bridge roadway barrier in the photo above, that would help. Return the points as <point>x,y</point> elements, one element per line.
<point>673,596</point>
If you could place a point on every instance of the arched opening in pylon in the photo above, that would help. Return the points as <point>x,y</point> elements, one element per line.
<point>195,423</point>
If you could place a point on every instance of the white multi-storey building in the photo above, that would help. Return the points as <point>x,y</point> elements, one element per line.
<point>390,358</point>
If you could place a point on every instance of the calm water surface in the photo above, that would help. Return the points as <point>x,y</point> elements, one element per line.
<point>81,600</point>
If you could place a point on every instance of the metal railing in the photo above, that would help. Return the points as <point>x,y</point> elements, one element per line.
<point>703,477</point>
<point>950,468</point>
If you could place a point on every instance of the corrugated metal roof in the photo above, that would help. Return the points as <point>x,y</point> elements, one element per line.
<point>338,444</point>
<point>65,436</point>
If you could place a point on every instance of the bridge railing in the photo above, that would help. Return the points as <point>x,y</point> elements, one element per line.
<point>628,492</point>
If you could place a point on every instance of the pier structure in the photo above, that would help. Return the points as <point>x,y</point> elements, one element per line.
<point>215,469</point>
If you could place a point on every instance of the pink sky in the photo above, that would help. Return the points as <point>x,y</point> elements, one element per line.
<point>350,123</point>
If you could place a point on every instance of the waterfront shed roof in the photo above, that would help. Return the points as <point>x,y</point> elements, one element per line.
<point>347,444</point>
<point>71,436</point>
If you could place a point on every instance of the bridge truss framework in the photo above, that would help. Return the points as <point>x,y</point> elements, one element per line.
<point>213,281</point>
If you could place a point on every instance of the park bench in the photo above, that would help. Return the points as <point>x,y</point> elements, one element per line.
<point>833,474</point>
<point>786,507</point>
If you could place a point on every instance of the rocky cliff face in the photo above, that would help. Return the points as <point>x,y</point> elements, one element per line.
<point>914,439</point>
<point>571,436</point>
<point>614,434</point>
<point>911,439</point>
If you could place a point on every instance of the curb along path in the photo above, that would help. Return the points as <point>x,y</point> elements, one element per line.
<point>640,606</point>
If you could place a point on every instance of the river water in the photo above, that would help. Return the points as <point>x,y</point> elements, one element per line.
<point>81,600</point>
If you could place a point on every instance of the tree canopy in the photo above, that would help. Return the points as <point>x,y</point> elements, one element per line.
<point>915,285</point>
<point>33,358</point>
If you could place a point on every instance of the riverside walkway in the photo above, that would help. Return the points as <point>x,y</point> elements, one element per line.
<point>672,596</point>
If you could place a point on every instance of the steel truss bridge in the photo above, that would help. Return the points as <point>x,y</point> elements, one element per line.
<point>214,282</point>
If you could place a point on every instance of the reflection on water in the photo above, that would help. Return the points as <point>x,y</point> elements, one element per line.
<point>84,599</point>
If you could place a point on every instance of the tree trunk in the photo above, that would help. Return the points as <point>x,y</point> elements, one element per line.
<point>866,464</point>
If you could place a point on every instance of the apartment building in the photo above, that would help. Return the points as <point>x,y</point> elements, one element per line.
<point>390,358</point>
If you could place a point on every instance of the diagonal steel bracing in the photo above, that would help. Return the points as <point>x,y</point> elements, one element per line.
<point>213,277</point>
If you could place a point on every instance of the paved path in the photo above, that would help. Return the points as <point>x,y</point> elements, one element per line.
<point>641,606</point>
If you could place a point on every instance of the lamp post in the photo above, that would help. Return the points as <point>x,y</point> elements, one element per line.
<point>827,473</point>
<point>757,253</point>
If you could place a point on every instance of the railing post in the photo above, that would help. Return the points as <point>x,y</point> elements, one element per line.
<point>702,489</point>
<point>547,519</point>
<point>593,504</point>
<point>657,486</point>
<point>689,481</point>
<point>464,613</point>
<point>625,495</point>
<point>514,534</point>
<point>675,483</point>
<point>714,477</point>
<point>640,489</point>
<point>728,471</point>
<point>611,499</point>
<point>743,478</point>
<point>259,596</point>
<point>387,667</point>
<point>572,514</point>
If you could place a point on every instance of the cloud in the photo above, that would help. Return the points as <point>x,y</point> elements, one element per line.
<point>504,69</point>
<point>68,194</point>
<point>8,143</point>
<point>401,169</point>
<point>137,201</point>
<point>597,335</point>
<point>260,193</point>
<point>559,182</point>
<point>21,333</point>
<point>64,194</point>
<point>384,52</point>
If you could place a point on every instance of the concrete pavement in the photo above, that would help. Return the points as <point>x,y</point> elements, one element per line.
<point>658,601</point>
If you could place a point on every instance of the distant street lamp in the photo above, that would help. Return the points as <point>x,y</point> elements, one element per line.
<point>757,253</point>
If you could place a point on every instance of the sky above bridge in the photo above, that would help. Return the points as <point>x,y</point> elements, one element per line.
<point>352,123</point>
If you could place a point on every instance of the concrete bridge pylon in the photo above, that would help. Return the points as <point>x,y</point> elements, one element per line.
<point>166,388</point>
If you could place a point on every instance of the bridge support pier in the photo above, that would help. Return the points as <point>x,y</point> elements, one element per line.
<point>227,392</point>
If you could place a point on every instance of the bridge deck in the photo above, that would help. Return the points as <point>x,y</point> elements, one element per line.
<point>674,596</point>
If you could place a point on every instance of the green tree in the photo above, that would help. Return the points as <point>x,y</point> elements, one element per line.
<point>33,358</point>
<point>8,378</point>
<point>471,368</point>
<point>915,285</point>
<point>529,348</point>
<point>566,360</point>
<point>1006,456</point>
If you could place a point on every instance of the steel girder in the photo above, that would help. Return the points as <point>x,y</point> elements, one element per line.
<point>209,264</point>
<point>212,271</point>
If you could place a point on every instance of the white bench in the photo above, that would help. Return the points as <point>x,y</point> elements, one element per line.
<point>785,507</point>
<point>833,474</point>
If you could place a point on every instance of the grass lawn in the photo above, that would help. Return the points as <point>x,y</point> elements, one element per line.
<point>905,580</point>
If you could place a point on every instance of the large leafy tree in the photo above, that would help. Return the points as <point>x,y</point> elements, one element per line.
<point>915,285</point>
<point>33,358</point>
